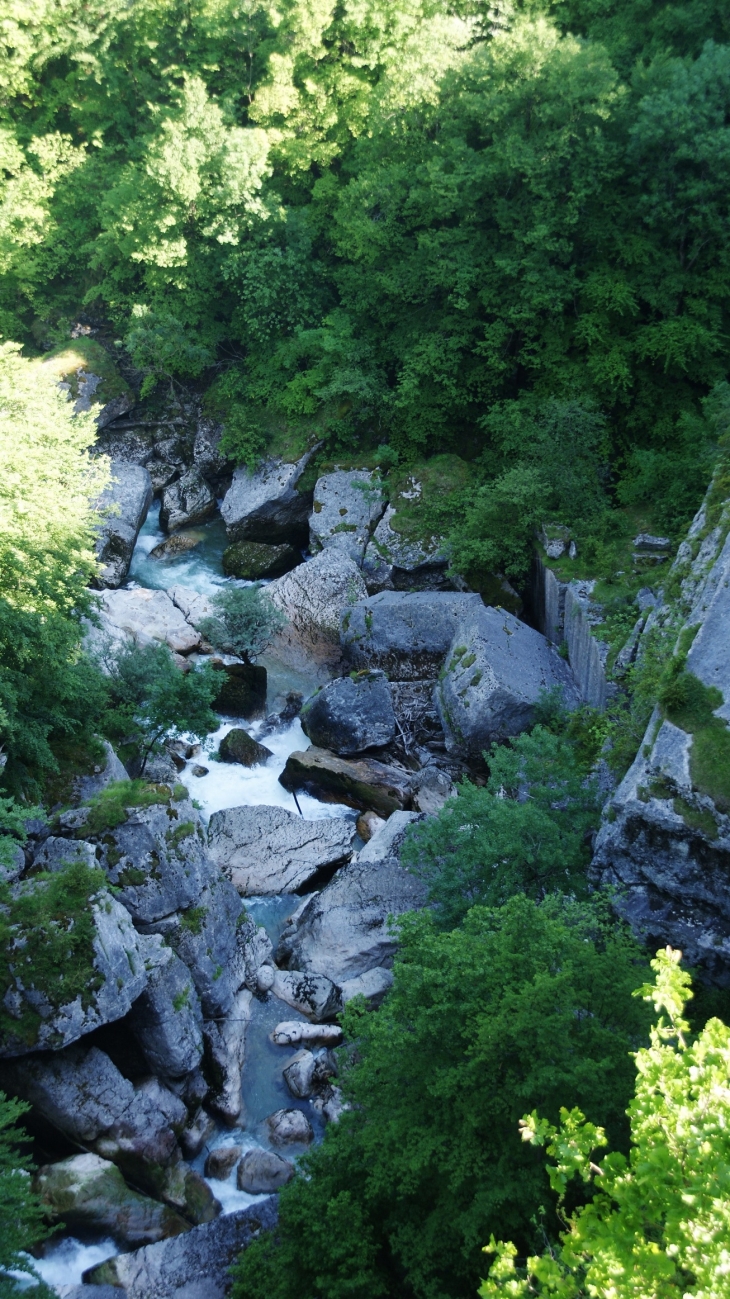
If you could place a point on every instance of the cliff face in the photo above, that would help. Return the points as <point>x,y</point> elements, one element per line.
<point>664,843</point>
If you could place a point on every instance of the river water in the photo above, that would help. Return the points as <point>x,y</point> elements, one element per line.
<point>226,785</point>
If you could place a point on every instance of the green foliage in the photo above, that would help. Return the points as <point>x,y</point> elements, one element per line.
<point>525,832</point>
<point>691,704</point>
<point>109,808</point>
<point>150,700</point>
<point>22,1222</point>
<point>528,1000</point>
<point>158,345</point>
<point>46,939</point>
<point>245,621</point>
<point>658,1223</point>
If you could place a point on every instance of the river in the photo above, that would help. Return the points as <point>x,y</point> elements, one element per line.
<point>226,785</point>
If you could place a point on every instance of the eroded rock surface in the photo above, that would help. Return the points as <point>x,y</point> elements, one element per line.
<point>314,598</point>
<point>267,849</point>
<point>347,505</point>
<point>88,1193</point>
<point>406,634</point>
<point>123,509</point>
<point>351,714</point>
<point>265,505</point>
<point>186,502</point>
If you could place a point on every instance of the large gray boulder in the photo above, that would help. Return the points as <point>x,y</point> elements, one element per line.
<point>88,1193</point>
<point>146,616</point>
<point>347,504</point>
<point>406,634</point>
<point>225,1044</point>
<point>265,505</point>
<point>207,939</point>
<point>388,838</point>
<point>395,561</point>
<point>117,975</point>
<point>312,995</point>
<point>207,458</point>
<point>351,714</point>
<point>186,502</point>
<point>167,1019</point>
<point>157,860</point>
<point>263,1171</point>
<point>343,931</point>
<point>314,598</point>
<point>193,1266</point>
<point>83,1094</point>
<point>495,672</point>
<point>267,849</point>
<point>122,508</point>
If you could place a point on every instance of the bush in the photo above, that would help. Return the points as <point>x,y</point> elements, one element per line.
<point>525,832</point>
<point>245,622</point>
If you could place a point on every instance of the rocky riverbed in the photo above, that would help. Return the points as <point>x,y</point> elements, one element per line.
<point>249,901</point>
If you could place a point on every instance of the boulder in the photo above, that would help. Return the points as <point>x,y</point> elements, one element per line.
<point>198,1131</point>
<point>187,1190</point>
<point>343,931</point>
<point>278,721</point>
<point>225,1041</point>
<point>351,714</point>
<point>312,995</point>
<point>265,505</point>
<point>347,504</point>
<point>243,690</point>
<point>372,985</point>
<point>288,1128</point>
<point>148,616</point>
<point>394,561</point>
<point>122,508</point>
<point>267,849</point>
<point>157,860</point>
<point>255,946</point>
<point>299,1075</point>
<point>314,598</point>
<point>388,839</point>
<point>87,1193</point>
<point>262,1172</point>
<point>406,634</point>
<point>193,605</point>
<point>186,502</point>
<point>254,560</point>
<point>238,746</point>
<point>84,1096</point>
<point>433,788</point>
<point>193,1266</point>
<point>495,672</point>
<point>55,853</point>
<point>368,824</point>
<point>167,1018</point>
<point>117,976</point>
<point>356,782</point>
<point>180,543</point>
<point>292,1032</point>
<point>221,1162</point>
<point>208,940</point>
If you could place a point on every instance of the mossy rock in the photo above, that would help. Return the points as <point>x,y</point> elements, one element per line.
<point>243,690</point>
<point>253,560</point>
<point>238,746</point>
<point>94,381</point>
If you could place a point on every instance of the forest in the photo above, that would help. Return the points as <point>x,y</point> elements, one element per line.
<point>490,243</point>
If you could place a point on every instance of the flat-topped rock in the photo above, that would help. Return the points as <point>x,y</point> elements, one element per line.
<point>264,505</point>
<point>356,782</point>
<point>148,616</point>
<point>406,634</point>
<point>268,850</point>
<point>394,561</point>
<point>255,560</point>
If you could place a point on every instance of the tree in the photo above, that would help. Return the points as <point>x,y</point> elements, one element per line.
<point>524,832</point>
<point>245,622</point>
<point>522,1001</point>
<point>658,1224</point>
<point>152,700</point>
<point>21,1213</point>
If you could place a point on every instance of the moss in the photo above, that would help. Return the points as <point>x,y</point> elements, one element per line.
<point>86,354</point>
<point>182,999</point>
<point>476,679</point>
<point>427,512</point>
<point>179,792</point>
<point>132,877</point>
<point>468,660</point>
<point>192,920</point>
<point>110,807</point>
<point>690,704</point>
<point>47,943</point>
<point>175,837</point>
<point>368,622</point>
<point>77,756</point>
<point>345,527</point>
<point>697,818</point>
